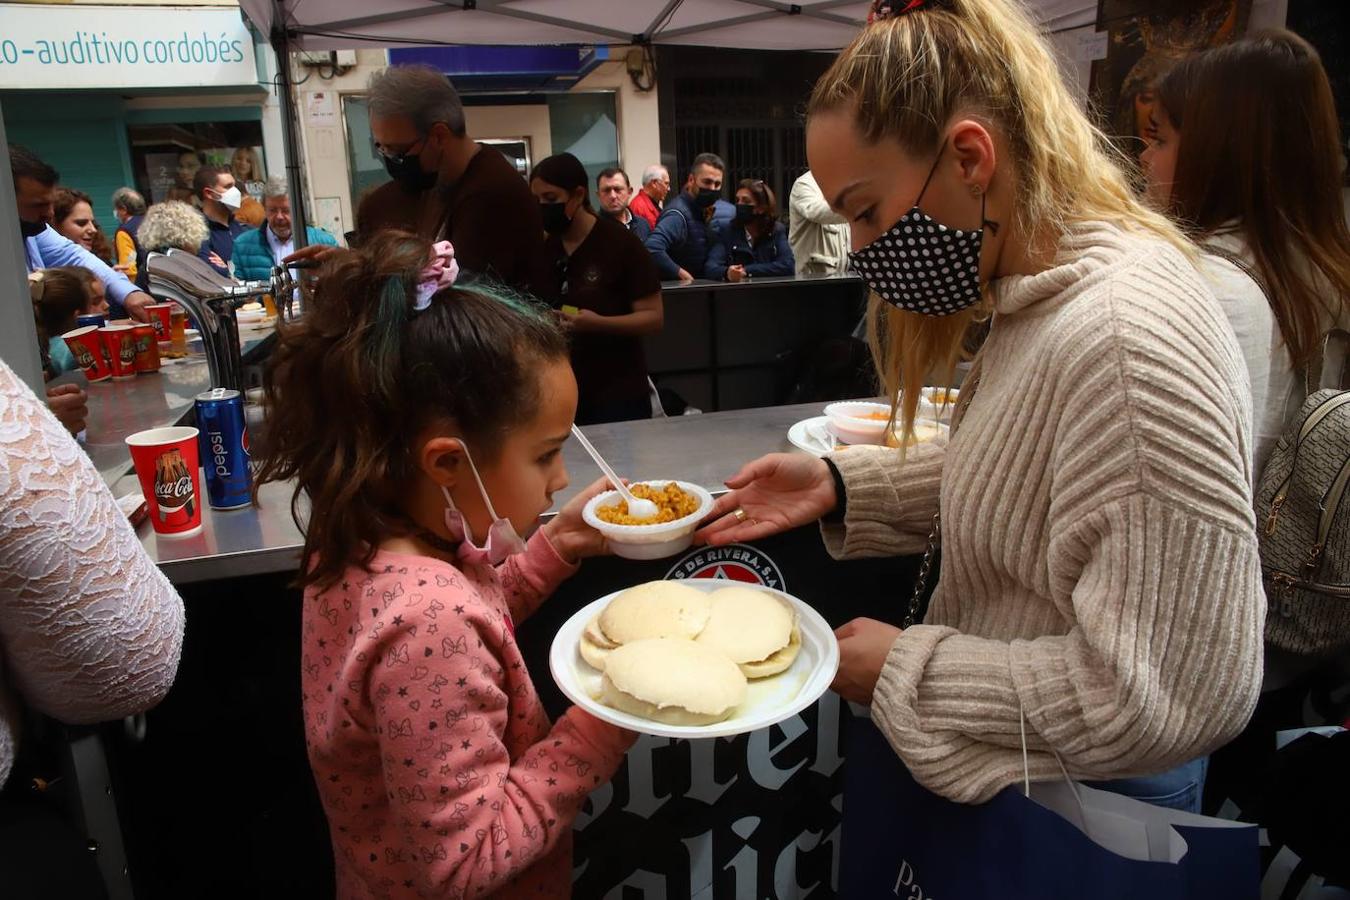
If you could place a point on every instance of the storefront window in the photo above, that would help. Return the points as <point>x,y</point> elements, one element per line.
<point>586,126</point>
<point>166,157</point>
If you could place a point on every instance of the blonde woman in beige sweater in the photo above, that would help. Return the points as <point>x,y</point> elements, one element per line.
<point>1099,575</point>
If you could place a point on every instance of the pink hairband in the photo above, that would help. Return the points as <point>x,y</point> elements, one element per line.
<point>440,272</point>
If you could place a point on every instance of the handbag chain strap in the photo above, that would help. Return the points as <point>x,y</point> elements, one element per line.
<point>968,390</point>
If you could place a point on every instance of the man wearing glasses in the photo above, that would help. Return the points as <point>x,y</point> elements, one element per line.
<point>445,186</point>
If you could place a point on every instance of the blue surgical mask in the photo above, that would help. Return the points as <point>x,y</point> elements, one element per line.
<point>502,539</point>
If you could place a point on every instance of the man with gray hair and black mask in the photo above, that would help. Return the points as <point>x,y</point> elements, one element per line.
<point>446,186</point>
<point>256,252</point>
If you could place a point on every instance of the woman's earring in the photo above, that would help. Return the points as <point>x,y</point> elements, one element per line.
<point>975,190</point>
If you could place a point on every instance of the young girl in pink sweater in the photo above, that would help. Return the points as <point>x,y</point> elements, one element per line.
<point>424,420</point>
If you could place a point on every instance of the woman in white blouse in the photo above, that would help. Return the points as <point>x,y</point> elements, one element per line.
<point>1247,157</point>
<point>90,629</point>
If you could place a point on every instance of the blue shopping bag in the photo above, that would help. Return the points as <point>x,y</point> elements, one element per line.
<point>900,839</point>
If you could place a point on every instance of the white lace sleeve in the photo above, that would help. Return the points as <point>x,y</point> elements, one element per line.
<point>90,629</point>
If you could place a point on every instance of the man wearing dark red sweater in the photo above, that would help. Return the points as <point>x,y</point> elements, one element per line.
<point>445,186</point>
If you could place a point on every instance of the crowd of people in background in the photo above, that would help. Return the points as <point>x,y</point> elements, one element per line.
<point>75,269</point>
<point>1043,651</point>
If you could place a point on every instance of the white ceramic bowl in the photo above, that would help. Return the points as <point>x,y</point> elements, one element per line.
<point>847,424</point>
<point>649,541</point>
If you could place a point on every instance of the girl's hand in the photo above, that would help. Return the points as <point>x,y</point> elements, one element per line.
<point>864,645</point>
<point>776,493</point>
<point>568,532</point>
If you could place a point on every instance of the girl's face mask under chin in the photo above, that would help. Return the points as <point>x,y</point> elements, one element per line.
<point>503,541</point>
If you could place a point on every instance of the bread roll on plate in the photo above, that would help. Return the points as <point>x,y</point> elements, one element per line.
<point>672,680</point>
<point>756,629</point>
<point>652,610</point>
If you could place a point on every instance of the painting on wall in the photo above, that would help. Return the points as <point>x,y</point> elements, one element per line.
<point>1146,38</point>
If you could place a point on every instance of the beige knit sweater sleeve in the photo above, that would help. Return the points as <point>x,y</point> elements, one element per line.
<point>892,498</point>
<point>1120,616</point>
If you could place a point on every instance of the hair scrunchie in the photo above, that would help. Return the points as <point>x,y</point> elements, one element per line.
<point>439,273</point>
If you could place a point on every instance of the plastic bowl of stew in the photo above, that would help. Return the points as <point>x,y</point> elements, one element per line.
<point>859,421</point>
<point>654,541</point>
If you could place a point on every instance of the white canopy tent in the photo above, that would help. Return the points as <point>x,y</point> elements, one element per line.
<point>349,24</point>
<point>756,24</point>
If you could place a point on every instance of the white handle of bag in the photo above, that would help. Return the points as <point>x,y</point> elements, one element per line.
<point>1026,773</point>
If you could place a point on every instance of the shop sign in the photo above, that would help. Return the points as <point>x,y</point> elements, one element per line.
<point>81,47</point>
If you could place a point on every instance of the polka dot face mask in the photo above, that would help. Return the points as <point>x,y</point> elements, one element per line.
<point>922,265</point>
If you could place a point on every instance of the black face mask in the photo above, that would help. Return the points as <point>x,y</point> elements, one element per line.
<point>31,229</point>
<point>556,218</point>
<point>406,169</point>
<point>745,213</point>
<point>706,197</point>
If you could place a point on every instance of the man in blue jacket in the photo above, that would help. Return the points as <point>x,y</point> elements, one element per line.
<point>220,198</point>
<point>687,226</point>
<point>34,189</point>
<point>256,252</point>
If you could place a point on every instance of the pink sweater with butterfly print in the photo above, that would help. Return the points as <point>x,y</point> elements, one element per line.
<point>438,768</point>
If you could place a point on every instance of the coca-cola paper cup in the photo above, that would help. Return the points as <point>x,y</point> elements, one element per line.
<point>167,465</point>
<point>86,345</point>
<point>121,343</point>
<point>159,318</point>
<point>147,348</point>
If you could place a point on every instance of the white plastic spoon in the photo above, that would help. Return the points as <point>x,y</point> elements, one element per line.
<point>637,507</point>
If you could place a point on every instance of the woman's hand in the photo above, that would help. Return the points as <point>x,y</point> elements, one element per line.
<point>776,493</point>
<point>568,532</point>
<point>864,645</point>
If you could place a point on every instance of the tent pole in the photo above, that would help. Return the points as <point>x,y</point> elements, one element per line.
<point>289,125</point>
<point>18,330</point>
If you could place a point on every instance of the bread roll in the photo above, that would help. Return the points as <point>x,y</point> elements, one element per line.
<point>594,646</point>
<point>672,680</point>
<point>655,609</point>
<point>756,629</point>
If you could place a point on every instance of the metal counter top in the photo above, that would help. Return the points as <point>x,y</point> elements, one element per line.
<point>703,449</point>
<point>121,408</point>
<point>703,285</point>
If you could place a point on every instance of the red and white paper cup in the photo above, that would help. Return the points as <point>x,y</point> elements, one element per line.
<point>168,467</point>
<point>121,343</point>
<point>147,348</point>
<point>86,345</point>
<point>160,314</point>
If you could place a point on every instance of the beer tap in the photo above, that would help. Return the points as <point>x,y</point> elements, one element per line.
<point>211,299</point>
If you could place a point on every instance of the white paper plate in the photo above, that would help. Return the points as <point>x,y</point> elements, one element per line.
<point>799,435</point>
<point>767,701</point>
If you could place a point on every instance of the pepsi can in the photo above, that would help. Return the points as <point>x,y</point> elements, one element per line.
<point>96,320</point>
<point>223,435</point>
